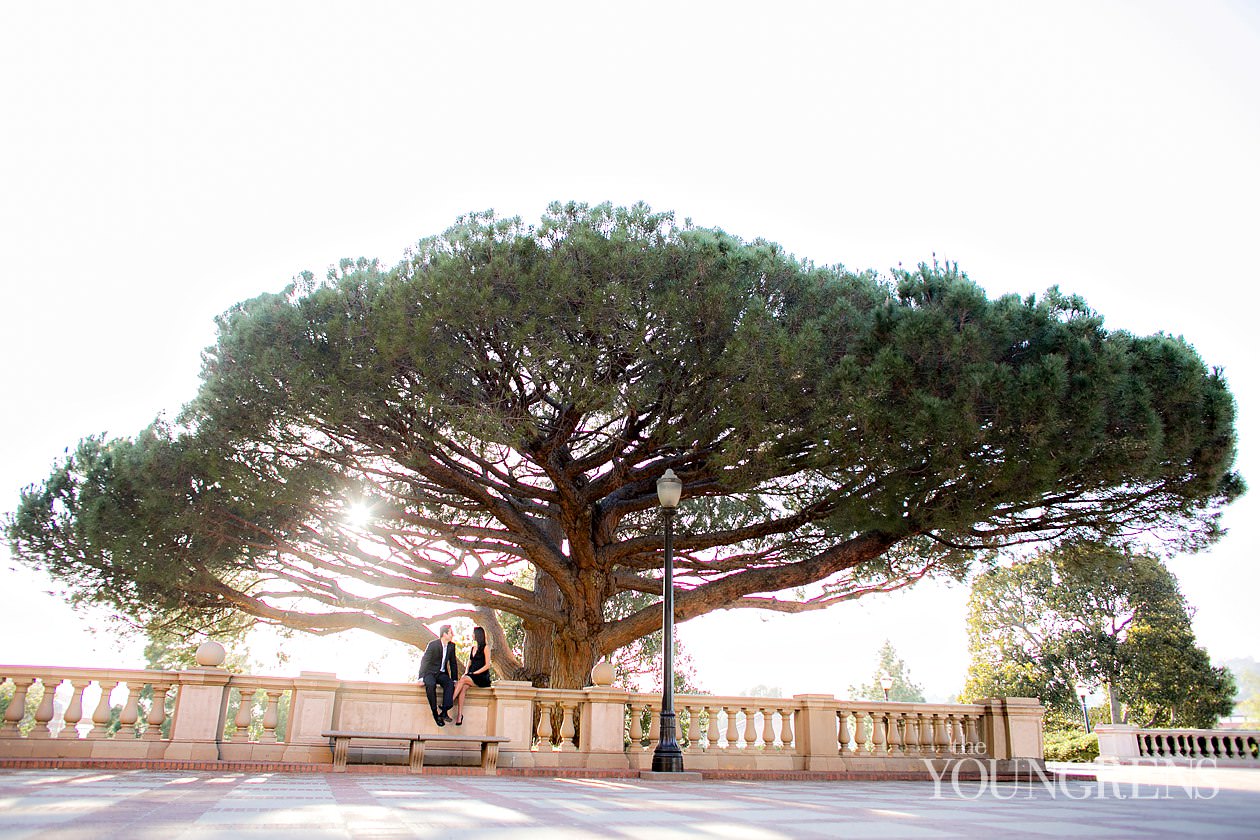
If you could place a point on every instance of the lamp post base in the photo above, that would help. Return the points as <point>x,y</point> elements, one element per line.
<point>667,763</point>
<point>668,757</point>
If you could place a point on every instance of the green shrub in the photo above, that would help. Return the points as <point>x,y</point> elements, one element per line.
<point>1071,746</point>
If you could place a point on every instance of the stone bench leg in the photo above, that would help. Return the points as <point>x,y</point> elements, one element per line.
<point>415,757</point>
<point>341,751</point>
<point>490,758</point>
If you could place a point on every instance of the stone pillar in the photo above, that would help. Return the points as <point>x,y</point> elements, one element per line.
<point>1013,728</point>
<point>1117,742</point>
<point>310,714</point>
<point>512,714</point>
<point>200,707</point>
<point>816,741</point>
<point>604,727</point>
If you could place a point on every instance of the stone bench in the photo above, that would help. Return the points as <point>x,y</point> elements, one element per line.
<point>415,753</point>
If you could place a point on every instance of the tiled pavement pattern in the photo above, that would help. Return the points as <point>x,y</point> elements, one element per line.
<point>203,806</point>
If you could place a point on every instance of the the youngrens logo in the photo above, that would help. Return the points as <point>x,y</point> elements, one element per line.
<point>973,778</point>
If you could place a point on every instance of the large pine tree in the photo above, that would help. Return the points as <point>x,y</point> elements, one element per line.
<point>394,445</point>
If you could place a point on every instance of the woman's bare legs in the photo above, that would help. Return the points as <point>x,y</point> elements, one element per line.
<point>461,690</point>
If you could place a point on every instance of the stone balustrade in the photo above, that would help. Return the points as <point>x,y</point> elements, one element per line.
<point>760,733</point>
<point>1225,747</point>
<point>210,715</point>
<point>73,712</point>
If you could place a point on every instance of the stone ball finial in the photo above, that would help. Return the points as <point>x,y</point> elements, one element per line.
<point>210,654</point>
<point>602,674</point>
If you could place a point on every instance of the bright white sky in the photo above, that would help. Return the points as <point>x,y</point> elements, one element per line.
<point>159,162</point>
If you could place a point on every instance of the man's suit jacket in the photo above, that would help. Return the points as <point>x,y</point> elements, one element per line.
<point>431,662</point>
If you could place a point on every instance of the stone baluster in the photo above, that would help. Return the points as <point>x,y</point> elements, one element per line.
<point>103,711</point>
<point>767,727</point>
<point>130,712</point>
<point>925,734</point>
<point>244,716</point>
<point>879,740</point>
<point>44,712</point>
<point>271,716</point>
<point>567,730</point>
<point>654,727</point>
<point>942,733</point>
<point>894,733</point>
<point>750,727</point>
<point>864,726</point>
<point>17,707</point>
<point>912,745</point>
<point>843,736</point>
<point>732,728</point>
<point>712,734</point>
<point>636,728</point>
<point>972,728</point>
<point>785,728</point>
<point>157,711</point>
<point>74,711</point>
<point>960,737</point>
<point>686,729</point>
<point>544,727</point>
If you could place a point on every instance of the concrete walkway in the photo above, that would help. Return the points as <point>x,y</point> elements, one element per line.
<point>132,804</point>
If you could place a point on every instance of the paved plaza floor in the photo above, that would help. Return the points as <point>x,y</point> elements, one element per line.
<point>132,804</point>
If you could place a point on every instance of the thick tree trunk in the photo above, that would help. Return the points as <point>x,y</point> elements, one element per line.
<point>539,655</point>
<point>558,657</point>
<point>1116,716</point>
<point>575,656</point>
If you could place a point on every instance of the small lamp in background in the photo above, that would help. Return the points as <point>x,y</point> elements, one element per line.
<point>885,682</point>
<point>1082,693</point>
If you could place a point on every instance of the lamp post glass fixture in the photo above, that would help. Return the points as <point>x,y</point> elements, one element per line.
<point>668,756</point>
<point>885,682</point>
<point>1082,693</point>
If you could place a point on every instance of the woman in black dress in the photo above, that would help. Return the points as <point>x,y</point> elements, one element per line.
<point>478,672</point>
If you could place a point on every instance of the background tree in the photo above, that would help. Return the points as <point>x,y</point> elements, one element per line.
<point>398,443</point>
<point>1092,614</point>
<point>1247,675</point>
<point>1172,682</point>
<point>903,689</point>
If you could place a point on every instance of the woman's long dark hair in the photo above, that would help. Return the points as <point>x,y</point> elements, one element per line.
<point>479,636</point>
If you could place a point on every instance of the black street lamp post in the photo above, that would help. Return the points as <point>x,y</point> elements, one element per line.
<point>1082,693</point>
<point>668,756</point>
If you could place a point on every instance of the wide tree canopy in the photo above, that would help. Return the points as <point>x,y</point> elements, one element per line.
<point>399,443</point>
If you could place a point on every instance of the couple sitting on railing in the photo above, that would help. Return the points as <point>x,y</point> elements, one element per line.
<point>440,666</point>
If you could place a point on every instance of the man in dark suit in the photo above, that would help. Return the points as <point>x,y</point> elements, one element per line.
<point>437,667</point>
